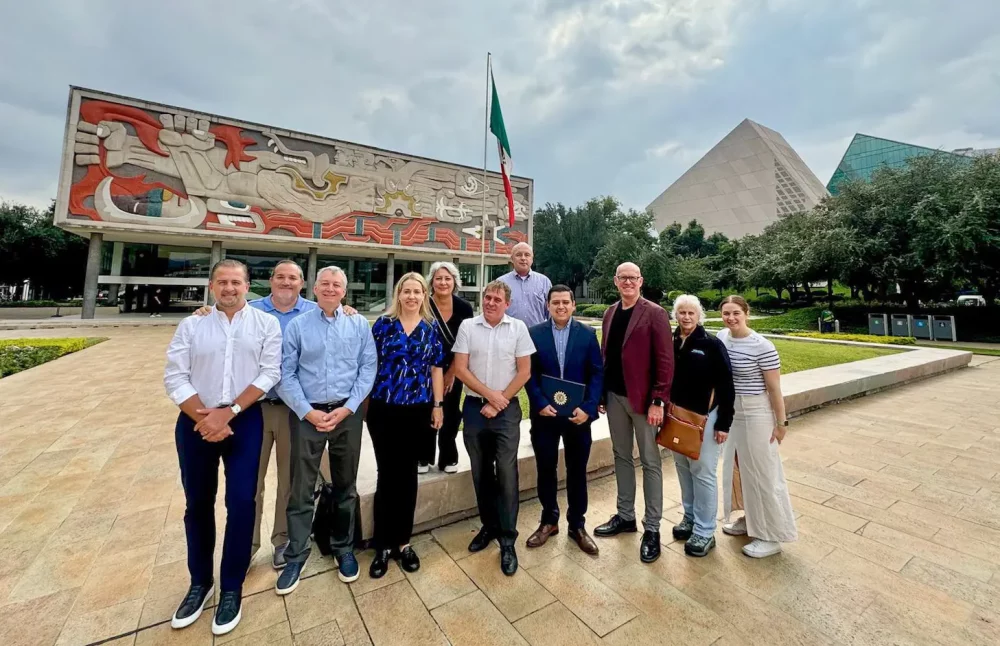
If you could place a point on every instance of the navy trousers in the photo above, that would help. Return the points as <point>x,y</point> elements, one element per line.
<point>545,435</point>
<point>199,460</point>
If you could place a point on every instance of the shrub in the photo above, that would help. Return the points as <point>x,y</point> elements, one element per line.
<point>20,354</point>
<point>595,311</point>
<point>800,320</point>
<point>861,338</point>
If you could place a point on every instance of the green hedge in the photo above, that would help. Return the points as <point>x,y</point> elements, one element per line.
<point>41,303</point>
<point>20,354</point>
<point>861,338</point>
<point>802,320</point>
<point>594,311</point>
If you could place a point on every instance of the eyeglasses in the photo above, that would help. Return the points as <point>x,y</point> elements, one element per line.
<point>628,279</point>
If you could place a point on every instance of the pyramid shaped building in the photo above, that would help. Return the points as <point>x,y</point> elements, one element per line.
<point>745,182</point>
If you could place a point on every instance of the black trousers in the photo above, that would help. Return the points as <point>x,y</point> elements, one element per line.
<point>492,446</point>
<point>394,438</point>
<point>545,435</point>
<point>447,449</point>
<point>199,461</point>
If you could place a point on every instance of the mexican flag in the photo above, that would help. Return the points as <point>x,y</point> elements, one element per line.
<point>503,147</point>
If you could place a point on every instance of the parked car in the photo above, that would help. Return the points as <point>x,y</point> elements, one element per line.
<point>972,300</point>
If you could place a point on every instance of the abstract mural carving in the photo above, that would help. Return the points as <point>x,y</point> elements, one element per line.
<point>173,169</point>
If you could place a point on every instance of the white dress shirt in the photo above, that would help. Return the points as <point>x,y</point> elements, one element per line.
<point>216,359</point>
<point>493,351</point>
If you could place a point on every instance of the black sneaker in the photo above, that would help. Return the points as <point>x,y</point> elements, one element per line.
<point>278,560</point>
<point>229,612</point>
<point>699,545</point>
<point>649,549</point>
<point>616,525</point>
<point>190,609</point>
<point>288,580</point>
<point>508,560</point>
<point>481,541</point>
<point>408,559</point>
<point>380,564</point>
<point>683,531</point>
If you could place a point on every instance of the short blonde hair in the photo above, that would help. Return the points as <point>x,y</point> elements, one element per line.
<point>691,301</point>
<point>425,305</point>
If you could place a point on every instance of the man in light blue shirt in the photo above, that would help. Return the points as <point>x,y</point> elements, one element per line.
<point>327,370</point>
<point>529,290</point>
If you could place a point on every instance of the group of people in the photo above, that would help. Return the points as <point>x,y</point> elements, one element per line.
<point>300,378</point>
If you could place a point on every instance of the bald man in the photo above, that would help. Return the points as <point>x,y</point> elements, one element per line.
<point>529,290</point>
<point>638,354</point>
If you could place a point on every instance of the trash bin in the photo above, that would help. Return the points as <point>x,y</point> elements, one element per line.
<point>878,325</point>
<point>900,325</point>
<point>921,326</point>
<point>944,328</point>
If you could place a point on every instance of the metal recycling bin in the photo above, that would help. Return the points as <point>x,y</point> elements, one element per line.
<point>921,326</point>
<point>900,325</point>
<point>944,328</point>
<point>878,324</point>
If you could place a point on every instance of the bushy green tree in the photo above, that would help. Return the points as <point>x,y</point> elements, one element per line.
<point>32,248</point>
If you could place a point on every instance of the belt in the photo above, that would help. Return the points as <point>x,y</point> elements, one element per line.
<point>328,407</point>
<point>478,400</point>
<point>274,401</point>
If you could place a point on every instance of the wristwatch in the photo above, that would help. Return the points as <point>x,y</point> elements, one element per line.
<point>236,408</point>
<point>439,404</point>
<point>658,402</point>
<point>784,423</point>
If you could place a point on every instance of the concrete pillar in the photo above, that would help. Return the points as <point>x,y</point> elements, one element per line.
<point>90,278</point>
<point>118,250</point>
<point>215,257</point>
<point>390,277</point>
<point>311,269</point>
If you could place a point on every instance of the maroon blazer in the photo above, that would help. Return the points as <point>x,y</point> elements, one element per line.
<point>647,354</point>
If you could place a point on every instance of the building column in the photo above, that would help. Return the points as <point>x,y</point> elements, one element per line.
<point>215,257</point>
<point>90,278</point>
<point>118,250</point>
<point>311,268</point>
<point>390,277</point>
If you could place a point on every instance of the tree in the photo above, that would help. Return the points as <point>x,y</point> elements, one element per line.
<point>567,239</point>
<point>32,248</point>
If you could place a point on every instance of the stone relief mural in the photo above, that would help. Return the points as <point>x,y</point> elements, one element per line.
<point>178,170</point>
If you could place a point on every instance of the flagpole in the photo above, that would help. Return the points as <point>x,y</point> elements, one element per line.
<point>486,186</point>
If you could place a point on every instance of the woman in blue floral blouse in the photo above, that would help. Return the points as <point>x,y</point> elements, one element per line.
<point>409,388</point>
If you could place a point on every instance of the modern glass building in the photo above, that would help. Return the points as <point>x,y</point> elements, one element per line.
<point>866,153</point>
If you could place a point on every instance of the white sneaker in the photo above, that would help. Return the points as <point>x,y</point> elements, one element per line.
<point>737,528</point>
<point>451,468</point>
<point>423,468</point>
<point>759,549</point>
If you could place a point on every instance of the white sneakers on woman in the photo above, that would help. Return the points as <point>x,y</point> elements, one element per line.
<point>756,549</point>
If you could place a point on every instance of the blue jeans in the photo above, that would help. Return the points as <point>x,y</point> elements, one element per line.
<point>698,482</point>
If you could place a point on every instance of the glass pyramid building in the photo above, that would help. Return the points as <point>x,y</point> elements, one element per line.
<point>745,182</point>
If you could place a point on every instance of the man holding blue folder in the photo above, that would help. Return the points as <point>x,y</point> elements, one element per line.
<point>564,391</point>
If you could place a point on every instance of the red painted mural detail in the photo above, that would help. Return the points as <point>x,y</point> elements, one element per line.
<point>147,129</point>
<point>235,143</point>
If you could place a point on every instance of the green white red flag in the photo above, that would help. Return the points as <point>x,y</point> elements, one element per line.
<point>503,147</point>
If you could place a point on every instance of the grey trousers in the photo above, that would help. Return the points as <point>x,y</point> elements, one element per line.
<point>625,424</point>
<point>492,446</point>
<point>308,446</point>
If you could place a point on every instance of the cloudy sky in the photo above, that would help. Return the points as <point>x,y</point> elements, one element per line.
<point>614,97</point>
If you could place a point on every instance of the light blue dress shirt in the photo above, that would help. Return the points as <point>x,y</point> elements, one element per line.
<point>561,338</point>
<point>528,296</point>
<point>326,360</point>
<point>284,318</point>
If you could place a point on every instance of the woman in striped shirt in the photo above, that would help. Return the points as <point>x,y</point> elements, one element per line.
<point>753,479</point>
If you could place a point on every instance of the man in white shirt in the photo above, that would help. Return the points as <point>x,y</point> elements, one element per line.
<point>218,367</point>
<point>493,359</point>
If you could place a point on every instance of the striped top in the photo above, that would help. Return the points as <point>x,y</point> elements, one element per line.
<point>750,356</point>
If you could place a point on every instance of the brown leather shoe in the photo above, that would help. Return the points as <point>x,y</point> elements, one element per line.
<point>542,534</point>
<point>584,540</point>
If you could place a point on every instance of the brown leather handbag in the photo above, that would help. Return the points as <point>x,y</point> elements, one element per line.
<point>683,431</point>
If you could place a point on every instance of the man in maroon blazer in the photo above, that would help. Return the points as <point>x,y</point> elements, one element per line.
<point>638,353</point>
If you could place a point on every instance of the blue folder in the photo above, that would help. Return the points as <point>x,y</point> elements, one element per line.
<point>564,396</point>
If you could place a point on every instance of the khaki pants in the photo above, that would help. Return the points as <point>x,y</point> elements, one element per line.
<point>277,433</point>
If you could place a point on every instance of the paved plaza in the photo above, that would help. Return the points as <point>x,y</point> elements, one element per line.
<point>897,497</point>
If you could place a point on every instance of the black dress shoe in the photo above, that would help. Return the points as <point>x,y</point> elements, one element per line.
<point>481,541</point>
<point>508,560</point>
<point>649,550</point>
<point>191,606</point>
<point>408,559</point>
<point>615,526</point>
<point>380,564</point>
<point>228,614</point>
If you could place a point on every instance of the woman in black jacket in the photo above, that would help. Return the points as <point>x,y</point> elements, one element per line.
<point>703,383</point>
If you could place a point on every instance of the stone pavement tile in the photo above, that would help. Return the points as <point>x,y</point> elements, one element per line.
<point>169,580</point>
<point>260,611</point>
<point>139,528</point>
<point>84,525</point>
<point>887,517</point>
<point>156,610</point>
<point>90,460</point>
<point>968,565</point>
<point>964,482</point>
<point>127,640</point>
<point>38,520</point>
<point>197,634</point>
<point>515,596</point>
<point>830,473</point>
<point>829,604</point>
<point>972,528</point>
<point>55,569</point>
<point>973,466</point>
<point>989,552</point>
<point>395,615</point>
<point>887,622</point>
<point>278,634</point>
<point>473,620</point>
<point>806,492</point>
<point>596,604</point>
<point>173,544</point>
<point>958,586</point>
<point>101,624</point>
<point>37,621</point>
<point>260,577</point>
<point>327,634</point>
<point>875,498</point>
<point>555,625</point>
<point>366,584</point>
<point>121,575</point>
<point>455,538</point>
<point>318,600</point>
<point>879,477</point>
<point>983,628</point>
<point>527,523</point>
<point>12,505</point>
<point>439,579</point>
<point>828,514</point>
<point>952,482</point>
<point>622,551</point>
<point>893,558</point>
<point>982,510</point>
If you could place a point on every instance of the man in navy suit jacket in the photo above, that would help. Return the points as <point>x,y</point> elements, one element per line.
<point>565,349</point>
